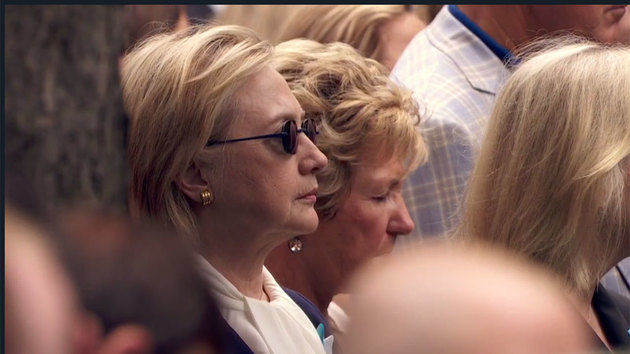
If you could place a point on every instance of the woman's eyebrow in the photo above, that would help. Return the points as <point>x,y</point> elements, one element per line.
<point>285,116</point>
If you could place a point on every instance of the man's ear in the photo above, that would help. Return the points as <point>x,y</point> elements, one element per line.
<point>192,182</point>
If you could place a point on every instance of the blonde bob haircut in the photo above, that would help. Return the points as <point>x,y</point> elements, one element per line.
<point>177,90</point>
<point>357,25</point>
<point>550,179</point>
<point>361,112</point>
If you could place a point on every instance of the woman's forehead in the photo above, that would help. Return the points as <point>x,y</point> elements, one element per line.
<point>265,99</point>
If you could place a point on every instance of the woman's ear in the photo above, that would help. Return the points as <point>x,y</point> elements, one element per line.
<point>192,182</point>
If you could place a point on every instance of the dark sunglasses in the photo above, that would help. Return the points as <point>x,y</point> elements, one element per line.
<point>288,134</point>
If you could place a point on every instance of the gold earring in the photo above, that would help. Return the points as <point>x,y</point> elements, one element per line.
<point>206,198</point>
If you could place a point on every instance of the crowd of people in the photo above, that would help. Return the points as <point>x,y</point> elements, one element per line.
<point>276,153</point>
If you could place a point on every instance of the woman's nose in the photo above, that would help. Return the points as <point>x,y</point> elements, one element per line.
<point>313,159</point>
<point>401,222</point>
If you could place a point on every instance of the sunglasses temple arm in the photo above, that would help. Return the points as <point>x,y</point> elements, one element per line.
<point>277,135</point>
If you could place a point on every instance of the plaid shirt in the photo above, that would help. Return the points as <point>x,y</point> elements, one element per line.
<point>454,77</point>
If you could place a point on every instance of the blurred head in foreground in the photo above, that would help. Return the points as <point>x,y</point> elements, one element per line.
<point>456,298</point>
<point>40,301</point>
<point>140,285</point>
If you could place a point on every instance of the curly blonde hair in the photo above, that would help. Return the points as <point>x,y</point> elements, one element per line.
<point>553,170</point>
<point>361,112</point>
<point>177,90</point>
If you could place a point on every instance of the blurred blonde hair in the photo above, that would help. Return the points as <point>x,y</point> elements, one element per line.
<point>357,25</point>
<point>177,90</point>
<point>360,110</point>
<point>264,19</point>
<point>549,182</point>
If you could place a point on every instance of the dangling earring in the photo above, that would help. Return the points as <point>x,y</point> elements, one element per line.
<point>295,244</point>
<point>206,198</point>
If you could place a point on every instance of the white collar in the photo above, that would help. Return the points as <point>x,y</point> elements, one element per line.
<point>279,326</point>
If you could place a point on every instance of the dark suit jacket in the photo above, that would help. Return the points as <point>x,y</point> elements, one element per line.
<point>613,312</point>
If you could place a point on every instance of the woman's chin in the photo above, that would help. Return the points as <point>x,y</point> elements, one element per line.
<point>308,223</point>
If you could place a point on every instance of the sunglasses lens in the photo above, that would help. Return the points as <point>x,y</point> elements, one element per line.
<point>289,139</point>
<point>310,129</point>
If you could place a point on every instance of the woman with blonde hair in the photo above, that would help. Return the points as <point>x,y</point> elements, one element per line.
<point>553,177</point>
<point>380,32</point>
<point>368,133</point>
<point>220,152</point>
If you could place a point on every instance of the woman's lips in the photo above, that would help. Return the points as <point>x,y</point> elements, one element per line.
<point>310,197</point>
